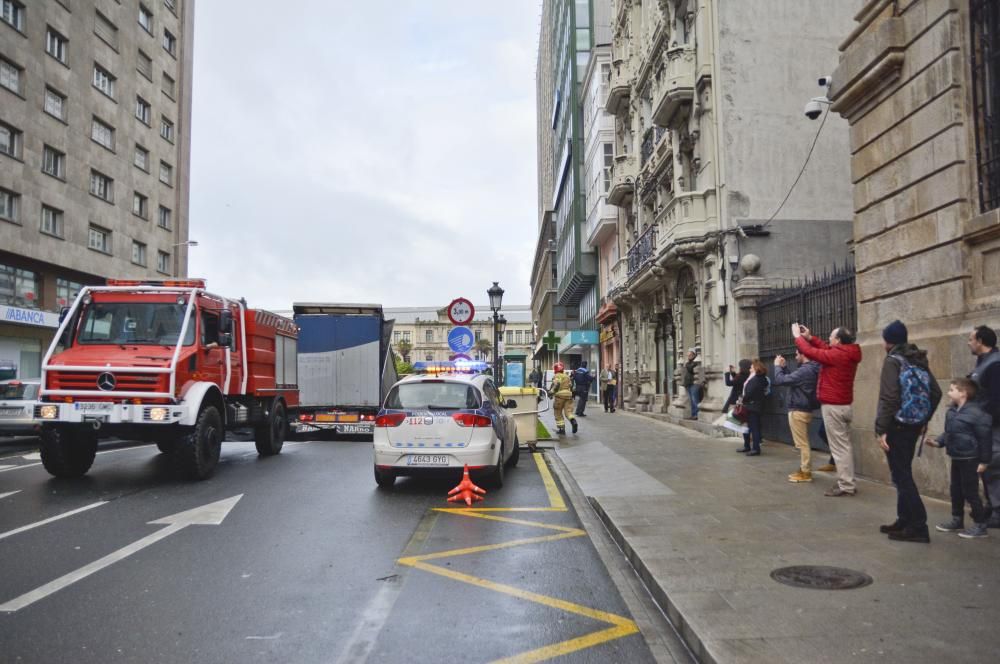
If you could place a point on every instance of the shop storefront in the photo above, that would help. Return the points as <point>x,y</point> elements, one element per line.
<point>25,335</point>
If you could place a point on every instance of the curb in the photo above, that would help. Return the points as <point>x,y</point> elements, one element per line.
<point>691,639</point>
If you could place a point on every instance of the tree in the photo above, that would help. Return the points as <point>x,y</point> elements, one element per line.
<point>403,367</point>
<point>404,347</point>
<point>483,348</point>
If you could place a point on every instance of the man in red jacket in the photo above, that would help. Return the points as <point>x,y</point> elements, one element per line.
<point>839,361</point>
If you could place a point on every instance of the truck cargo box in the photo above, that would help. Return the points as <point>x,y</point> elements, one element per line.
<point>340,360</point>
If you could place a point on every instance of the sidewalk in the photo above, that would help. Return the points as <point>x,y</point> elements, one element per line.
<point>705,526</point>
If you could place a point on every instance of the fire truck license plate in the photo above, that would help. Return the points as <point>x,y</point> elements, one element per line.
<point>428,460</point>
<point>94,406</point>
<point>10,412</point>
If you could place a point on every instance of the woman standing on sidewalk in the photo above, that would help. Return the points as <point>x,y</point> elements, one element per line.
<point>754,392</point>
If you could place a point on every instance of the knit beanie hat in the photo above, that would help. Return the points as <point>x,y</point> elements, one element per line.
<point>895,333</point>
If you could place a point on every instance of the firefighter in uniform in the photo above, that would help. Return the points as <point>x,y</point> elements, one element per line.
<point>562,390</point>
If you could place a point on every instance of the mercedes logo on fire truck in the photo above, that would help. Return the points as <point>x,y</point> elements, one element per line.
<point>106,382</point>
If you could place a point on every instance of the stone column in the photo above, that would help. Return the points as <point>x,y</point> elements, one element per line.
<point>748,293</point>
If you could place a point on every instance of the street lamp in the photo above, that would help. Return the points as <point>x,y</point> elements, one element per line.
<point>186,243</point>
<point>496,297</point>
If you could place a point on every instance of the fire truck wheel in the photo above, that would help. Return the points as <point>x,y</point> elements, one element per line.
<point>385,478</point>
<point>197,452</point>
<point>68,452</point>
<point>270,436</point>
<point>165,446</point>
<point>516,454</point>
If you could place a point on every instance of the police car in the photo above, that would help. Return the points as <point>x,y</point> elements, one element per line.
<point>447,415</point>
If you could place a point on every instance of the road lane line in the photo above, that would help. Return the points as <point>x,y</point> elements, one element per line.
<point>52,518</point>
<point>34,456</point>
<point>4,469</point>
<point>9,493</point>
<point>555,497</point>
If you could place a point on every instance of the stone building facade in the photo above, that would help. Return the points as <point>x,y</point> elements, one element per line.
<point>919,83</point>
<point>714,206</point>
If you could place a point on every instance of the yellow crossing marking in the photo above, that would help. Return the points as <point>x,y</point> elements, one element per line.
<point>620,626</point>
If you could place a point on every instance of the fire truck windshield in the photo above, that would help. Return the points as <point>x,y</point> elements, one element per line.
<point>139,323</point>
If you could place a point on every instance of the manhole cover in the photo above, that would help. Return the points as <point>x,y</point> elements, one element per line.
<point>819,577</point>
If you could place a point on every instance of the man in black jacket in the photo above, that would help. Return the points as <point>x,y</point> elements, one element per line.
<point>986,376</point>
<point>899,439</point>
<point>802,402</point>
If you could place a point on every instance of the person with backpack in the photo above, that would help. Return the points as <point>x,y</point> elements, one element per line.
<point>986,376</point>
<point>802,402</point>
<point>908,395</point>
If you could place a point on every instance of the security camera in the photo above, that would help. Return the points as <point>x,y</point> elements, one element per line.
<point>825,81</point>
<point>813,110</point>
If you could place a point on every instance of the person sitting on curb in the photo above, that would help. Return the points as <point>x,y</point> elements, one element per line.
<point>802,402</point>
<point>969,440</point>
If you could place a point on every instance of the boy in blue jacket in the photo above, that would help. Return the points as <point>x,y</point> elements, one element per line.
<point>968,439</point>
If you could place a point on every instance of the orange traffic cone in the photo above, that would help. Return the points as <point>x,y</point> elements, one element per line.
<point>466,491</point>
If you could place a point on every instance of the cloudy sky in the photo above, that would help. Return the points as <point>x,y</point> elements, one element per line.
<point>374,151</point>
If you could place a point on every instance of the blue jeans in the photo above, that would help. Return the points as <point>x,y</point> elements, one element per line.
<point>753,422</point>
<point>693,393</point>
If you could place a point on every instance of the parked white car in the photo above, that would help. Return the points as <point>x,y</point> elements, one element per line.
<point>17,407</point>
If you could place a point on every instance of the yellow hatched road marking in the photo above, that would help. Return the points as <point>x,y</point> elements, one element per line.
<point>555,497</point>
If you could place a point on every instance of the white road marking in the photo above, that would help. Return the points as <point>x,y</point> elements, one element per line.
<point>4,469</point>
<point>37,455</point>
<point>34,456</point>
<point>51,518</point>
<point>265,638</point>
<point>9,493</point>
<point>211,514</point>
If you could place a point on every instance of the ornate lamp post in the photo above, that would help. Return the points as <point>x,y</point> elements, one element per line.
<point>496,297</point>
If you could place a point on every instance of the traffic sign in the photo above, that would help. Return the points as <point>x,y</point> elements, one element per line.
<point>455,357</point>
<point>461,339</point>
<point>461,311</point>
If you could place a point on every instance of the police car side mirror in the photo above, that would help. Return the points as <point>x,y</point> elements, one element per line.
<point>510,404</point>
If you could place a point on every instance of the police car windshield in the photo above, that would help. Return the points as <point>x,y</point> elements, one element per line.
<point>143,323</point>
<point>433,395</point>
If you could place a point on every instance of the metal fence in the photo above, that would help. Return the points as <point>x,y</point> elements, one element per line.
<point>985,55</point>
<point>821,303</point>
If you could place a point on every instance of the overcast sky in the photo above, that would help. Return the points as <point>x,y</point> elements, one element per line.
<point>374,151</point>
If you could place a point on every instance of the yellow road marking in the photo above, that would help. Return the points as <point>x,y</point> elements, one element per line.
<point>555,497</point>
<point>522,522</point>
<point>572,645</point>
<point>412,560</point>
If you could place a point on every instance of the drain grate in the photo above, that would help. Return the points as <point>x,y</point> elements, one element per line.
<point>819,577</point>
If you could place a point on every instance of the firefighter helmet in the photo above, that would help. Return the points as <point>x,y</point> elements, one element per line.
<point>558,367</point>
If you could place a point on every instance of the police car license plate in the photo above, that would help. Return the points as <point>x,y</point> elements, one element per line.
<point>427,460</point>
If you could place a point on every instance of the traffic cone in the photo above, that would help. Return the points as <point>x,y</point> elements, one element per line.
<point>466,491</point>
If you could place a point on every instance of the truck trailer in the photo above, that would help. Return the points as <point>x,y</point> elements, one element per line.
<point>166,362</point>
<point>346,366</point>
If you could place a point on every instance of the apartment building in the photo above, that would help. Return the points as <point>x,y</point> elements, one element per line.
<point>95,119</point>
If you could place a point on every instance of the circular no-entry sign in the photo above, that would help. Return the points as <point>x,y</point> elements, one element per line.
<point>461,311</point>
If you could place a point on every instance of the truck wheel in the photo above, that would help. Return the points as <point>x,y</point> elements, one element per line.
<point>385,478</point>
<point>270,437</point>
<point>496,477</point>
<point>68,452</point>
<point>516,454</point>
<point>197,452</point>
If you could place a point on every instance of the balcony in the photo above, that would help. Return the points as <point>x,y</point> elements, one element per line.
<point>674,86</point>
<point>602,222</point>
<point>619,86</point>
<point>619,275</point>
<point>623,174</point>
<point>689,215</point>
<point>642,252</point>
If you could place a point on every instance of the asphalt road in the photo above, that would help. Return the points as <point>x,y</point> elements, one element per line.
<point>297,558</point>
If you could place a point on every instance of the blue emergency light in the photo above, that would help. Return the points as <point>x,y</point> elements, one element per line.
<point>457,366</point>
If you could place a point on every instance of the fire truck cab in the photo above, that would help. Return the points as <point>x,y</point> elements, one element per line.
<point>166,362</point>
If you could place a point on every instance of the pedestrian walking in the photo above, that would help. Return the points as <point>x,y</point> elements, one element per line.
<point>562,391</point>
<point>968,438</point>
<point>535,377</point>
<point>986,376</point>
<point>754,393</point>
<point>582,378</point>
<point>802,401</point>
<point>838,358</point>
<point>690,382</point>
<point>908,395</point>
<point>610,390</point>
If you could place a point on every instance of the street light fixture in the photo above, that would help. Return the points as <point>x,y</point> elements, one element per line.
<point>186,243</point>
<point>496,298</point>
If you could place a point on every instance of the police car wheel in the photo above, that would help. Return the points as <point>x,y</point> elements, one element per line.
<point>385,479</point>
<point>496,476</point>
<point>515,454</point>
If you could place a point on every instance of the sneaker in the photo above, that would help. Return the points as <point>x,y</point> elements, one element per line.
<point>893,527</point>
<point>952,525</point>
<point>742,450</point>
<point>975,531</point>
<point>827,468</point>
<point>800,477</point>
<point>572,423</point>
<point>911,535</point>
<point>753,453</point>
<point>836,492</point>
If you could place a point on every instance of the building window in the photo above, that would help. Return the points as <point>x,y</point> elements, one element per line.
<point>169,43</point>
<point>52,221</point>
<point>56,45</point>
<point>429,357</point>
<point>13,14</point>
<point>55,104</point>
<point>106,30</point>
<point>103,134</point>
<point>395,336</point>
<point>985,49</point>
<point>144,65</point>
<point>166,173</point>
<point>479,334</point>
<point>406,336</point>
<point>517,337</point>
<point>171,5</point>
<point>66,291</point>
<point>146,19</point>
<point>609,160</point>
<point>167,129</point>
<point>102,186</point>
<point>10,140</point>
<point>104,81</point>
<point>163,262</point>
<point>53,162</point>
<point>9,203</point>
<point>429,336</point>
<point>140,205</point>
<point>141,159</point>
<point>138,253</point>
<point>99,239</point>
<point>510,337</point>
<point>168,85</point>
<point>142,110</point>
<point>18,287</point>
<point>163,218</point>
<point>10,76</point>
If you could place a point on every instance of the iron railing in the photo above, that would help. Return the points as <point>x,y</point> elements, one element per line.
<point>642,251</point>
<point>985,51</point>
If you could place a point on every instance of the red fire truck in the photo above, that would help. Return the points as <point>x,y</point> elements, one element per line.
<point>166,362</point>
